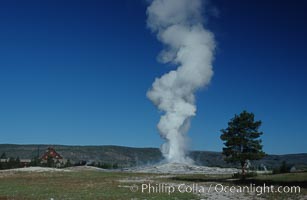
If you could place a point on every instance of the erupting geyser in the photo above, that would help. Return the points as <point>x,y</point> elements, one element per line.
<point>188,45</point>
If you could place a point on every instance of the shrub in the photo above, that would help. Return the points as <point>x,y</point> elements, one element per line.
<point>247,175</point>
<point>284,168</point>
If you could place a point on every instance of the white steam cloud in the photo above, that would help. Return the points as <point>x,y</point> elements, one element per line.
<point>188,45</point>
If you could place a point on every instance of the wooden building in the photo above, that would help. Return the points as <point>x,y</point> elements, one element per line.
<point>55,156</point>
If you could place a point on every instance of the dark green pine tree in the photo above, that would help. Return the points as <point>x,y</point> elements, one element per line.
<point>3,156</point>
<point>242,141</point>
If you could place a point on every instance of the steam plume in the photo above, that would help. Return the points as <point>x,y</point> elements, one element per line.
<point>188,45</point>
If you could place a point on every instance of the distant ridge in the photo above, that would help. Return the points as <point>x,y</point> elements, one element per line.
<point>132,156</point>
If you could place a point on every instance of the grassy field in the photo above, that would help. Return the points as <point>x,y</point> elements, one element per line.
<point>286,181</point>
<point>77,185</point>
<point>285,178</point>
<point>116,185</point>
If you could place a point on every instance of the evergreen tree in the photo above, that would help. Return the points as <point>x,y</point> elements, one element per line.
<point>35,161</point>
<point>242,141</point>
<point>284,167</point>
<point>11,163</point>
<point>50,162</point>
<point>3,156</point>
<point>68,163</point>
<point>17,163</point>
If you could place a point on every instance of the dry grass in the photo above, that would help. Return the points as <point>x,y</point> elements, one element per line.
<point>115,185</point>
<point>74,185</point>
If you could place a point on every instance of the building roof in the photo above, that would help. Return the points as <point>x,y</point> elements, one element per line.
<point>51,153</point>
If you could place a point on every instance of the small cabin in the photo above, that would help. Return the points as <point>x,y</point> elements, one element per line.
<point>25,162</point>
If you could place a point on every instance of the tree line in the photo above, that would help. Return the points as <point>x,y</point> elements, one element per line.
<point>241,140</point>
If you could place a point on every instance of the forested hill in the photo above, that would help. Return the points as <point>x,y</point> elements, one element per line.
<point>130,156</point>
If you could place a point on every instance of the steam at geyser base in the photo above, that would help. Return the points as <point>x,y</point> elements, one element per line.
<point>188,45</point>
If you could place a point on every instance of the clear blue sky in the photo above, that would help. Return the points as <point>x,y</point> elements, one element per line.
<point>76,72</point>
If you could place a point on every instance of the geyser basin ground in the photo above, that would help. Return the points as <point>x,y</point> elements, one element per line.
<point>91,183</point>
<point>179,168</point>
